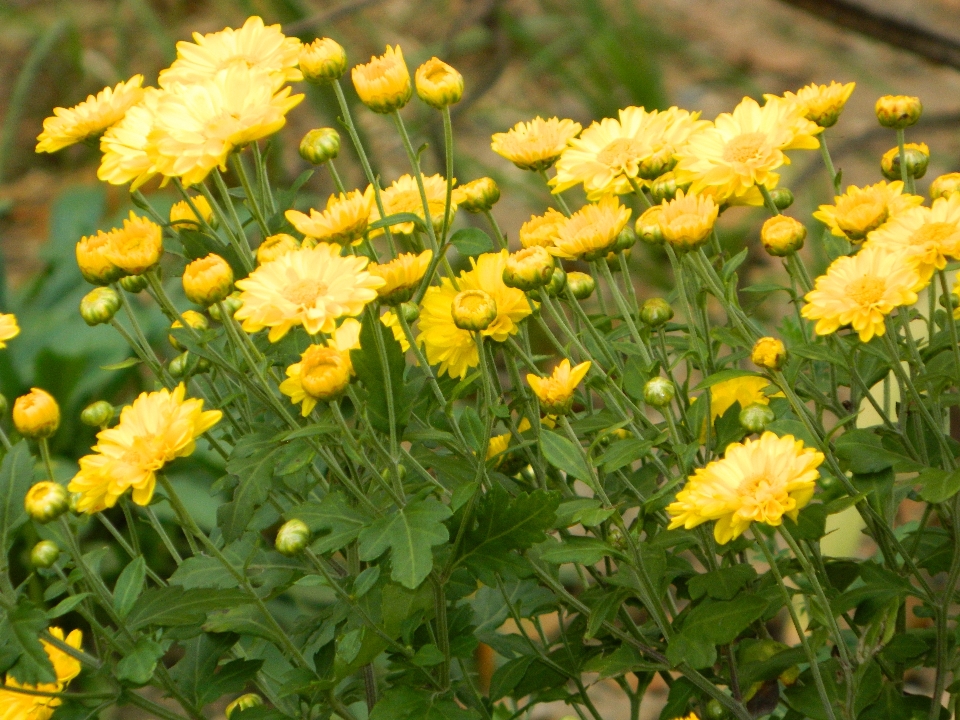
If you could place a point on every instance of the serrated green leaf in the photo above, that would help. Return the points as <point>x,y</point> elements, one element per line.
<point>22,628</point>
<point>697,652</point>
<point>173,606</point>
<point>721,621</point>
<point>137,667</point>
<point>194,671</point>
<point>721,584</point>
<point>335,515</point>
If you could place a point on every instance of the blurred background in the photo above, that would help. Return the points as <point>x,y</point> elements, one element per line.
<point>581,59</point>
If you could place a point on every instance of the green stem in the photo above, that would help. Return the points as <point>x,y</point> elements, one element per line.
<point>625,312</point>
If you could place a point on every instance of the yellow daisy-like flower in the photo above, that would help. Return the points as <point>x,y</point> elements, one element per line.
<point>20,706</point>
<point>591,232</point>
<point>861,290</point>
<point>860,211</point>
<point>640,145</point>
<point>8,328</point>
<point>759,480</point>
<point>743,148</point>
<point>198,126</point>
<point>310,287</point>
<point>68,126</point>
<point>125,146</point>
<point>821,104</point>
<point>499,444</point>
<point>556,392</point>
<point>403,196</point>
<point>137,246</point>
<point>687,221</point>
<point>344,219</point>
<point>255,45</point>
<point>537,144</point>
<point>390,320</point>
<point>449,346</point>
<point>155,429</point>
<point>383,84</point>
<point>402,275</point>
<point>925,236</point>
<point>323,373</point>
<point>542,230</point>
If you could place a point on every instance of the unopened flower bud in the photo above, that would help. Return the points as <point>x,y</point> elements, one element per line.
<point>528,268</point>
<point>557,282</point>
<point>99,305</point>
<point>244,702</point>
<point>581,285</point>
<point>438,84</point>
<point>648,226</point>
<point>898,111</point>
<point>98,414</point>
<point>715,711</point>
<point>658,392</point>
<point>782,235</point>
<point>769,353</point>
<point>323,60</point>
<point>782,198</point>
<point>92,259</point>
<point>613,259</point>
<point>194,320</point>
<point>918,158</point>
<point>133,283</point>
<point>208,280</point>
<point>36,414</point>
<point>945,185</point>
<point>46,500</point>
<point>410,311</point>
<point>320,145</point>
<point>325,372</point>
<point>625,240</point>
<point>656,312</point>
<point>383,84</point>
<point>473,310</point>
<point>292,537</point>
<point>230,304</point>
<point>44,554</point>
<point>665,187</point>
<point>660,162</point>
<point>180,365</point>
<point>182,215</point>
<point>276,246</point>
<point>755,417</point>
<point>478,195</point>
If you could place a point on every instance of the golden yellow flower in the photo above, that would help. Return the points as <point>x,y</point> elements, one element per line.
<point>402,275</point>
<point>343,220</point>
<point>861,290</point>
<point>8,328</point>
<point>93,261</point>
<point>36,414</point>
<point>155,429</point>
<point>860,211</point>
<point>756,481</point>
<point>591,232</point>
<point>310,287</point>
<point>390,320</point>
<point>473,310</point>
<point>198,126</point>
<point>403,196</point>
<point>898,111</point>
<point>640,145</point>
<point>323,373</point>
<point>743,148</point>
<point>478,195</point>
<point>182,214</point>
<point>556,391</point>
<point>20,706</point>
<point>821,104</point>
<point>275,246</point>
<point>782,235</point>
<point>449,346</point>
<point>687,221</point>
<point>126,146</point>
<point>383,84</point>
<point>745,390</point>
<point>925,236</point>
<point>137,246</point>
<point>207,280</point>
<point>323,60</point>
<point>537,144</point>
<point>542,230</point>
<point>256,46</point>
<point>769,353</point>
<point>90,118</point>
<point>499,444</point>
<point>346,338</point>
<point>438,84</point>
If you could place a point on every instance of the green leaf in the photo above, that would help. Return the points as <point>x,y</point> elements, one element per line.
<point>137,667</point>
<point>397,219</point>
<point>587,511</point>
<point>697,652</point>
<point>246,620</point>
<point>122,365</point>
<point>721,584</point>
<point>863,451</point>
<point>333,514</point>
<point>582,550</point>
<point>371,372</point>
<point>66,605</point>
<point>21,630</point>
<point>403,703</point>
<point>565,456</point>
<point>16,476</point>
<point>471,241</point>
<point>253,463</point>
<point>194,671</point>
<point>722,621</point>
<point>623,452</point>
<point>409,533</point>
<point>203,571</point>
<point>129,586</point>
<point>506,677</point>
<point>428,656</point>
<point>938,485</point>
<point>230,678</point>
<point>173,606</point>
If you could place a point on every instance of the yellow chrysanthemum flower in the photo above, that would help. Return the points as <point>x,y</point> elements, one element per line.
<point>137,246</point>
<point>343,220</point>
<point>555,392</point>
<point>198,126</point>
<point>390,320</point>
<point>323,373</point>
<point>403,196</point>
<point>155,429</point>
<point>687,221</point>
<point>125,146</point>
<point>743,148</point>
<point>20,706</point>
<point>745,390</point>
<point>383,84</point>
<point>542,230</point>
<point>449,346</point>
<point>90,118</point>
<point>402,275</point>
<point>8,328</point>
<point>499,444</point>
<point>274,246</point>
<point>255,45</point>
<point>861,290</point>
<point>640,145</point>
<point>591,232</point>
<point>755,481</point>
<point>926,236</point>
<point>310,287</point>
<point>860,211</point>
<point>537,144</point>
<point>182,214</point>
<point>821,104</point>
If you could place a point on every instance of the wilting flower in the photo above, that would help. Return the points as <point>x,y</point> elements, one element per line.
<point>537,144</point>
<point>20,706</point>
<point>591,232</point>
<point>402,275</point>
<point>756,481</point>
<point>542,230</point>
<point>860,211</point>
<point>403,196</point>
<point>925,236</point>
<point>555,392</point>
<point>90,118</point>
<point>344,219</point>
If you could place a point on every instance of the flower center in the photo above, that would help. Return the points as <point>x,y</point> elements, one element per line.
<point>764,499</point>
<point>305,292</point>
<point>745,147</point>
<point>144,454</point>
<point>620,153</point>
<point>867,290</point>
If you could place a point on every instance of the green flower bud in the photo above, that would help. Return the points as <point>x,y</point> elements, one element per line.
<point>323,60</point>
<point>648,226</point>
<point>528,268</point>
<point>756,416</point>
<point>99,306</point>
<point>44,554</point>
<point>244,702</point>
<point>782,235</point>
<point>581,285</point>
<point>658,392</point>
<point>477,196</point>
<point>665,188</point>
<point>715,711</point>
<point>133,283</point>
<point>656,312</point>
<point>782,198</point>
<point>320,145</point>
<point>662,161</point>
<point>918,158</point>
<point>292,537</point>
<point>473,310</point>
<point>410,311</point>
<point>46,501</point>
<point>945,186</point>
<point>625,240</point>
<point>98,414</point>
<point>557,282</point>
<point>898,111</point>
<point>231,304</point>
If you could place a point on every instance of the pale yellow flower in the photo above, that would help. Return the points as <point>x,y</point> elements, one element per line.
<point>821,104</point>
<point>555,392</point>
<point>925,236</point>
<point>591,232</point>
<point>687,221</point>
<point>90,118</point>
<point>403,196</point>
<point>126,146</point>
<point>402,275</point>
<point>274,246</point>
<point>20,706</point>
<point>312,287</point>
<point>535,145</point>
<point>542,230</point>
<point>383,84</point>
<point>343,220</point>
<point>860,211</point>
<point>759,480</point>
<point>8,328</point>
